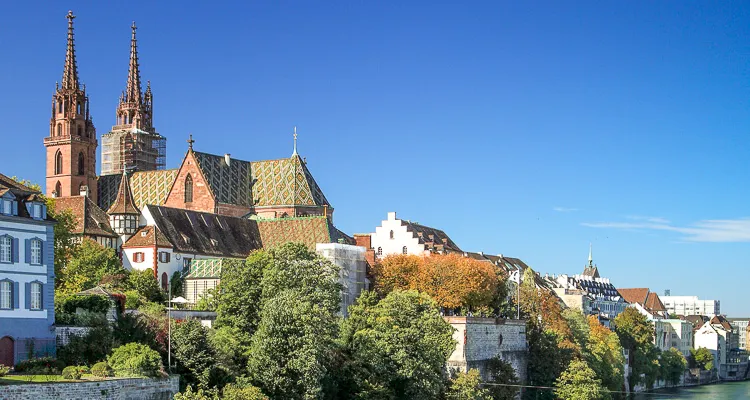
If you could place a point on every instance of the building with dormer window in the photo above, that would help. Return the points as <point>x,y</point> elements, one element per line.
<point>27,312</point>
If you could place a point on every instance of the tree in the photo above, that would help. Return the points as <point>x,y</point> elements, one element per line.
<point>290,352</point>
<point>579,327</point>
<point>65,243</point>
<point>702,358</point>
<point>239,295</point>
<point>146,285</point>
<point>502,374</point>
<point>467,386</point>
<point>175,283</point>
<point>397,347</point>
<point>230,345</point>
<point>636,335</point>
<point>673,365</point>
<point>208,301</point>
<point>396,272</point>
<point>547,360</point>
<point>89,263</point>
<point>604,355</point>
<point>579,382</point>
<point>192,352</point>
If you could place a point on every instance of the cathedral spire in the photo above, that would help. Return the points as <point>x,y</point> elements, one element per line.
<point>70,72</point>
<point>591,259</point>
<point>133,89</point>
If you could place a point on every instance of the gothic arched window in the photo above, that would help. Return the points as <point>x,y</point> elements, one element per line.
<point>404,250</point>
<point>188,189</point>
<point>58,163</point>
<point>59,106</point>
<point>59,129</point>
<point>80,164</point>
<point>58,189</point>
<point>391,234</point>
<point>164,281</point>
<point>80,131</point>
<point>78,108</point>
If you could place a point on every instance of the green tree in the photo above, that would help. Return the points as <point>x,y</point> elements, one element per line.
<point>208,301</point>
<point>239,295</point>
<point>604,355</point>
<point>146,285</point>
<point>397,347</point>
<point>192,352</point>
<point>702,358</point>
<point>230,345</point>
<point>547,360</point>
<point>242,392</point>
<point>467,386</point>
<point>579,382</point>
<point>135,359</point>
<point>504,377</point>
<point>88,349</point>
<point>65,243</point>
<point>673,365</point>
<point>636,335</point>
<point>579,326</point>
<point>175,284</point>
<point>88,264</point>
<point>290,352</point>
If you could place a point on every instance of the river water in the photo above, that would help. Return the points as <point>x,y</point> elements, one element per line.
<point>728,390</point>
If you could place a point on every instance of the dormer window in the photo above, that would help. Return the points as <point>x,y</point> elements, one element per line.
<point>7,207</point>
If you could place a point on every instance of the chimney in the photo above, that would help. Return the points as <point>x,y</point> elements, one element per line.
<point>84,191</point>
<point>227,159</point>
<point>363,240</point>
<point>392,216</point>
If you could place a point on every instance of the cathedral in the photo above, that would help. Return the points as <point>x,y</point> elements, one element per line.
<point>137,204</point>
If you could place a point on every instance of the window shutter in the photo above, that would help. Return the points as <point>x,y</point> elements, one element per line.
<point>27,298</point>
<point>41,252</point>
<point>27,245</point>
<point>41,296</point>
<point>15,295</point>
<point>15,208</point>
<point>44,212</point>
<point>14,250</point>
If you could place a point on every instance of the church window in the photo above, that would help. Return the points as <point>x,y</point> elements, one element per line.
<point>58,190</point>
<point>391,234</point>
<point>78,108</point>
<point>404,250</point>
<point>58,162</point>
<point>380,251</point>
<point>59,129</point>
<point>59,106</point>
<point>80,131</point>
<point>188,189</point>
<point>81,188</point>
<point>80,163</point>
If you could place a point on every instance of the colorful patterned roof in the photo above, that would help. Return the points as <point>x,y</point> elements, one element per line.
<point>147,187</point>
<point>124,202</point>
<point>285,181</point>
<point>208,268</point>
<point>306,230</point>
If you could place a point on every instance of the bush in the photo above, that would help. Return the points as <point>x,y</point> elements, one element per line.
<point>133,300</point>
<point>89,348</point>
<point>135,359</point>
<point>42,365</point>
<point>74,372</point>
<point>4,370</point>
<point>92,303</point>
<point>102,370</point>
<point>237,392</point>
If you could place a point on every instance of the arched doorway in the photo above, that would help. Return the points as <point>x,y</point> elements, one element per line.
<point>164,281</point>
<point>7,351</point>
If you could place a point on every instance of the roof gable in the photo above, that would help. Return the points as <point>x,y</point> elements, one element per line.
<point>306,230</point>
<point>637,295</point>
<point>89,218</point>
<point>146,187</point>
<point>434,239</point>
<point>124,201</point>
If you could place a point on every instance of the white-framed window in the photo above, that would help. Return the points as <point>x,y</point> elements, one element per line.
<point>36,296</point>
<point>6,292</point>
<point>6,245</point>
<point>36,251</point>
<point>164,256</point>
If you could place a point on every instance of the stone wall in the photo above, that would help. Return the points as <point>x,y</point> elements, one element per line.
<point>481,339</point>
<point>115,389</point>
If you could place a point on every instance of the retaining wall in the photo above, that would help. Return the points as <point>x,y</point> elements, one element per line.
<point>115,389</point>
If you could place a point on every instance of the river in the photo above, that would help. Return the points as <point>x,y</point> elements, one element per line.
<point>727,390</point>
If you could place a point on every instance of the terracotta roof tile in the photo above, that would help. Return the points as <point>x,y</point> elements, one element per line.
<point>637,295</point>
<point>90,220</point>
<point>653,303</point>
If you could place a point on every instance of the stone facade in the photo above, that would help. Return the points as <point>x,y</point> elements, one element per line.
<point>481,339</point>
<point>114,389</point>
<point>351,260</point>
<point>201,198</point>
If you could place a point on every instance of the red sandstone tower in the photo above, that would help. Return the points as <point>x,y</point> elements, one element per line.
<point>71,145</point>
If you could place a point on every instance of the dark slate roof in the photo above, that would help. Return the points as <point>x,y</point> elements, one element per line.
<point>148,236</point>
<point>206,233</point>
<point>285,181</point>
<point>124,201</point>
<point>432,238</point>
<point>307,230</point>
<point>90,220</point>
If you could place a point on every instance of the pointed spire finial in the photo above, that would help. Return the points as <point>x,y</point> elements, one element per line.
<point>190,142</point>
<point>295,141</point>
<point>133,88</point>
<point>70,71</point>
<point>591,259</point>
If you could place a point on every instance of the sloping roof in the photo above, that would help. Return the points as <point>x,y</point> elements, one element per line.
<point>207,268</point>
<point>719,320</point>
<point>306,230</point>
<point>434,239</point>
<point>90,220</point>
<point>7,183</point>
<point>23,194</point>
<point>591,271</point>
<point>147,187</point>
<point>206,233</point>
<point>285,181</point>
<point>124,201</point>
<point>653,303</point>
<point>96,291</point>
<point>145,237</point>
<point>638,295</point>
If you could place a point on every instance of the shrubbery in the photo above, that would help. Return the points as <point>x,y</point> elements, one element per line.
<point>41,366</point>
<point>74,372</point>
<point>135,359</point>
<point>102,370</point>
<point>4,370</point>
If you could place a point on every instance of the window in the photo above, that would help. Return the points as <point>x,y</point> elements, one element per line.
<point>164,281</point>
<point>404,250</point>
<point>80,131</point>
<point>6,243</point>
<point>186,263</point>
<point>36,296</point>
<point>138,257</point>
<point>391,234</point>
<point>7,207</point>
<point>78,110</point>
<point>188,189</point>
<point>58,190</point>
<point>36,210</point>
<point>380,251</point>
<point>36,251</point>
<point>164,257</point>
<point>6,291</point>
<point>59,129</point>
<point>58,163</point>
<point>80,164</point>
<point>59,105</point>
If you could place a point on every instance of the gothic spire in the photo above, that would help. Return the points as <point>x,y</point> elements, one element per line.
<point>591,259</point>
<point>70,72</point>
<point>133,89</point>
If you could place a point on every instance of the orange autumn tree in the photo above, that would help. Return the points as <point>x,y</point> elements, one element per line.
<point>452,280</point>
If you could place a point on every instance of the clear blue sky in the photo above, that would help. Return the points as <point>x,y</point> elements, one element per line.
<point>524,129</point>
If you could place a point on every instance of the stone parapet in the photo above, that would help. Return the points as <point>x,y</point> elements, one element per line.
<point>111,389</point>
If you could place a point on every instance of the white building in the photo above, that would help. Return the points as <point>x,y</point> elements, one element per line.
<point>681,335</point>
<point>351,260</point>
<point>397,236</point>
<point>740,325</point>
<point>691,305</point>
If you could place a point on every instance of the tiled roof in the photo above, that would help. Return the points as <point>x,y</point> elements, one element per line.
<point>7,183</point>
<point>653,303</point>
<point>145,237</point>
<point>206,233</point>
<point>719,320</point>
<point>638,295</point>
<point>591,271</point>
<point>433,239</point>
<point>147,187</point>
<point>22,193</point>
<point>124,201</point>
<point>306,230</point>
<point>285,181</point>
<point>90,220</point>
<point>96,291</point>
<point>208,268</point>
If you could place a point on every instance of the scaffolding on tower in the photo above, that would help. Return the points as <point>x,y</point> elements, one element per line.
<point>135,149</point>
